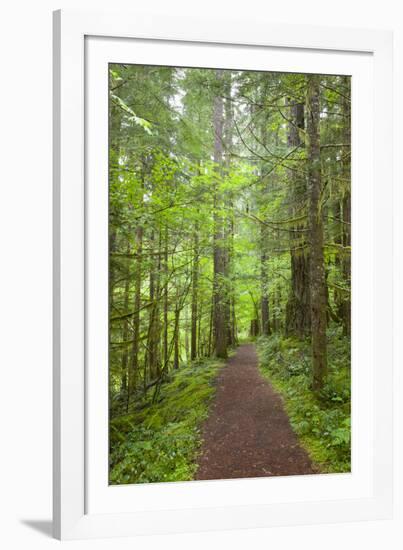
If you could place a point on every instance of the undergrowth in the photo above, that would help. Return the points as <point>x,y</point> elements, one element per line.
<point>321,421</point>
<point>159,441</point>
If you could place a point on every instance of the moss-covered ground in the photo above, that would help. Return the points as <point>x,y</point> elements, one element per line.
<point>160,439</point>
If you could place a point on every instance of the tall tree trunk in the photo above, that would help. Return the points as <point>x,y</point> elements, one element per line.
<point>265,193</point>
<point>229,283</point>
<point>195,286</point>
<point>154,293</point>
<point>274,326</point>
<point>211,329</point>
<point>199,331</point>
<point>255,325</point>
<point>125,354</point>
<point>279,308</point>
<point>317,267</point>
<point>264,278</point>
<point>134,356</point>
<point>345,309</point>
<point>165,282</point>
<point>298,314</point>
<point>234,322</point>
<point>186,331</point>
<point>220,332</point>
<point>112,267</point>
<point>228,203</point>
<point>115,123</point>
<point>176,336</point>
<point>345,305</point>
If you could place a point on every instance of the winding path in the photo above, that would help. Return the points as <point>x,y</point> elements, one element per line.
<point>248,433</point>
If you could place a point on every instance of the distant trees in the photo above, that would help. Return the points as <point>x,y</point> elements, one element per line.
<point>229,216</point>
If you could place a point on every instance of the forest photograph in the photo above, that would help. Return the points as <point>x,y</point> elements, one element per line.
<point>229,274</point>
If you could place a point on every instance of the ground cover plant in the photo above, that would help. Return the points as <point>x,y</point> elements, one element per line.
<point>322,420</point>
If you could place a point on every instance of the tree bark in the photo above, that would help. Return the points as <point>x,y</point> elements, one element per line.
<point>298,314</point>
<point>176,337</point>
<point>153,328</point>
<point>317,267</point>
<point>229,219</point>
<point>220,332</point>
<point>264,256</point>
<point>211,329</point>
<point>344,309</point>
<point>134,360</point>
<point>264,276</point>
<point>125,354</point>
<point>195,283</point>
<point>165,343</point>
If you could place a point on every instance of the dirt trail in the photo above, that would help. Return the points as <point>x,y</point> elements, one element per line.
<point>248,433</point>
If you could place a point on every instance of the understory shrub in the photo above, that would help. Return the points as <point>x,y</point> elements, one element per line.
<point>160,440</point>
<point>321,421</point>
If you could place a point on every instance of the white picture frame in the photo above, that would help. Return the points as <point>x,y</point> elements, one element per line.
<point>221,504</point>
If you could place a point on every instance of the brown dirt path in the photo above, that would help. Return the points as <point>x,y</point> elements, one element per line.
<point>248,433</point>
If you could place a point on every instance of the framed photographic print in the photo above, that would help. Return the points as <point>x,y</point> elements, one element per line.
<point>222,228</point>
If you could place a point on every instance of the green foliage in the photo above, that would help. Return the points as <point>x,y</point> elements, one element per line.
<point>160,440</point>
<point>322,422</point>
<point>172,208</point>
<point>132,115</point>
